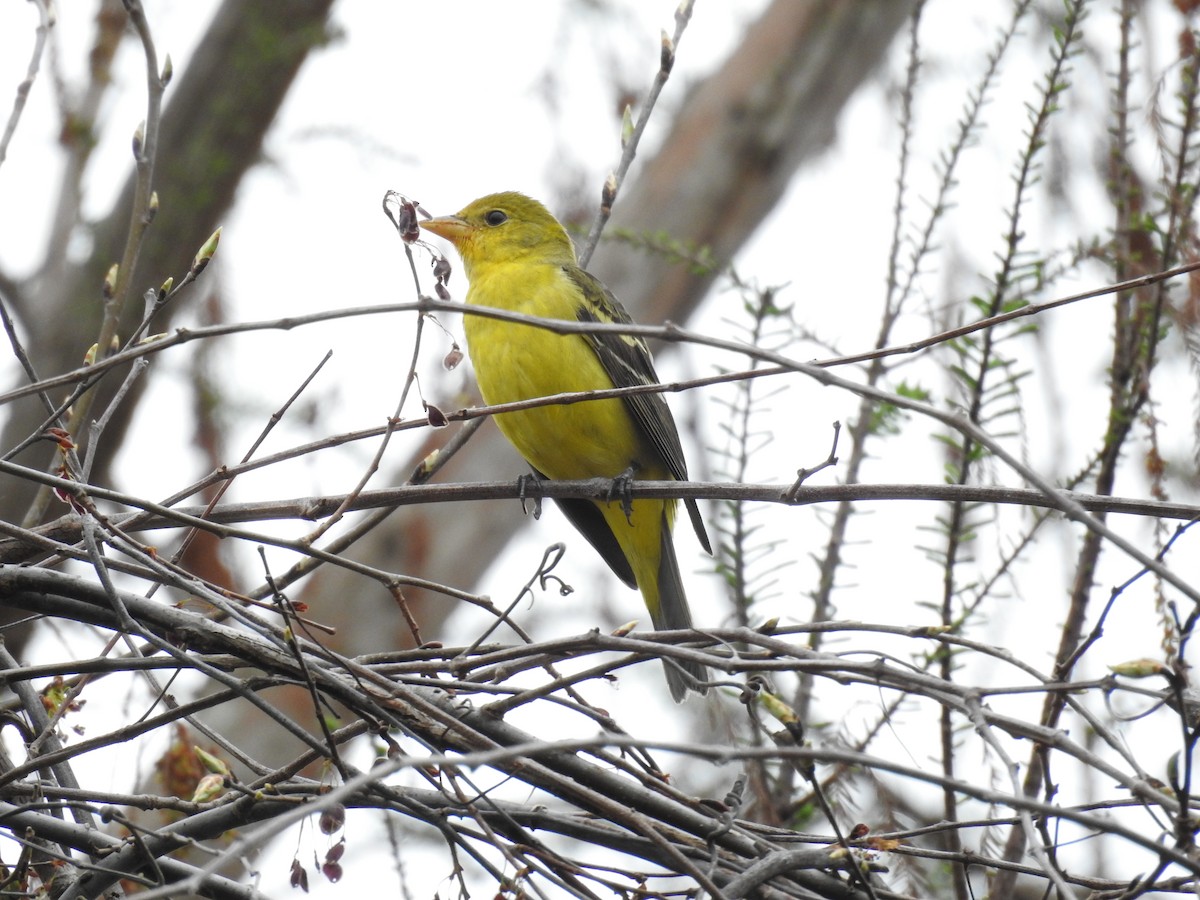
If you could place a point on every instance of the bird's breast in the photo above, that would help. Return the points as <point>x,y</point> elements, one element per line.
<point>516,362</point>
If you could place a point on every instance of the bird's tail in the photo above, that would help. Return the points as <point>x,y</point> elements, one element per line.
<point>671,613</point>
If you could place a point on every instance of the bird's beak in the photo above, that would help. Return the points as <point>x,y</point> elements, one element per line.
<point>452,228</point>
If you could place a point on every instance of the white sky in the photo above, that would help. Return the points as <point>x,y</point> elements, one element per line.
<point>443,102</point>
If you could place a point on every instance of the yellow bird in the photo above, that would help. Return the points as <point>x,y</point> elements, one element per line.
<point>518,257</point>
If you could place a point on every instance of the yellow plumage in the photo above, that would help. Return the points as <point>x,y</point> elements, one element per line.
<point>518,257</point>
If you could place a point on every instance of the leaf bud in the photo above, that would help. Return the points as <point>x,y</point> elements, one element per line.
<point>214,764</point>
<point>205,254</point>
<point>667,56</point>
<point>608,194</point>
<point>208,788</point>
<point>110,281</point>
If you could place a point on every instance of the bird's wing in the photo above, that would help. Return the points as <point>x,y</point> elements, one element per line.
<point>627,361</point>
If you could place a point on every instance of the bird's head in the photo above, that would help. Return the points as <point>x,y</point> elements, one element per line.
<point>504,228</point>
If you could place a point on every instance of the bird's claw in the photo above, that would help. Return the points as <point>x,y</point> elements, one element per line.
<point>622,486</point>
<point>523,493</point>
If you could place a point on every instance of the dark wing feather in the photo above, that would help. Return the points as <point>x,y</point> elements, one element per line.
<point>627,361</point>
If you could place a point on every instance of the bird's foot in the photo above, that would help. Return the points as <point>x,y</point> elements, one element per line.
<point>524,492</point>
<point>622,486</point>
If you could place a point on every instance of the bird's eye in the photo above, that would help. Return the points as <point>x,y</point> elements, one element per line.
<point>496,217</point>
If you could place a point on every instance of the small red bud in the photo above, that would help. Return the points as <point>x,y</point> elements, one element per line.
<point>60,436</point>
<point>332,818</point>
<point>403,213</point>
<point>299,877</point>
<point>437,418</point>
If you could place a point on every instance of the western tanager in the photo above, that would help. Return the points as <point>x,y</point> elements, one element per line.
<point>518,257</point>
